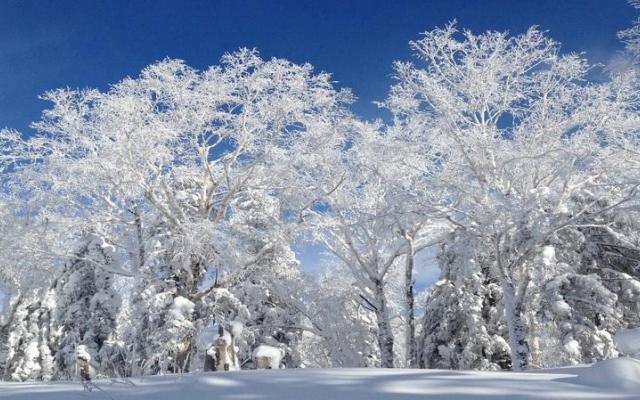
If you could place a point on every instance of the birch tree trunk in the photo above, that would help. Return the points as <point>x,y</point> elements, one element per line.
<point>385,335</point>
<point>517,335</point>
<point>411,348</point>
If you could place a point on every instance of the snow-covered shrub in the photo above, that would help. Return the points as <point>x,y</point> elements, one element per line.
<point>268,357</point>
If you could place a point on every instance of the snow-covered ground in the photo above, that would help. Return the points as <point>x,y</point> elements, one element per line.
<point>614,379</point>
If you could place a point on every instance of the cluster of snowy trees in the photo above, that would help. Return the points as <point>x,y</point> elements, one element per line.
<point>140,219</point>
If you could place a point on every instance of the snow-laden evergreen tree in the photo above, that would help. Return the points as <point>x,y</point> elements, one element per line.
<point>593,292</point>
<point>463,326</point>
<point>583,294</point>
<point>162,329</point>
<point>171,312</point>
<point>86,309</point>
<point>28,244</point>
<point>272,287</point>
<point>31,350</point>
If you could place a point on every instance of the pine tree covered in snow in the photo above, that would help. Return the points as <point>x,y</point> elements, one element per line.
<point>593,292</point>
<point>31,349</point>
<point>270,287</point>
<point>463,326</point>
<point>160,334</point>
<point>581,298</point>
<point>86,306</point>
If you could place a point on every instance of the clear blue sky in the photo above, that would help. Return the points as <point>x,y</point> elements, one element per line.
<point>89,43</point>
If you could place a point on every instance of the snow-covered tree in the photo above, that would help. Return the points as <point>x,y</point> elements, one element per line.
<point>463,325</point>
<point>244,125</point>
<point>338,329</point>
<point>142,219</point>
<point>631,36</point>
<point>272,287</point>
<point>371,225</point>
<point>513,133</point>
<point>86,309</point>
<point>30,351</point>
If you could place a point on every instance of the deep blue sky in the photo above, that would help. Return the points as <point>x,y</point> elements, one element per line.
<point>50,44</point>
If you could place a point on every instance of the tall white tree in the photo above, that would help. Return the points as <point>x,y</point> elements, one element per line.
<point>513,131</point>
<point>161,158</point>
<point>372,223</point>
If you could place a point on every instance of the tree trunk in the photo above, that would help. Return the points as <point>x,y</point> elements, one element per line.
<point>535,353</point>
<point>517,334</point>
<point>411,348</point>
<point>139,237</point>
<point>385,335</point>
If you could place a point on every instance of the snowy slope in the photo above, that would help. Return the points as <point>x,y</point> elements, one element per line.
<point>352,384</point>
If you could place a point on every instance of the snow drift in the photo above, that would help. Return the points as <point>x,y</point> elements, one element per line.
<point>615,374</point>
<point>613,379</point>
<point>628,341</point>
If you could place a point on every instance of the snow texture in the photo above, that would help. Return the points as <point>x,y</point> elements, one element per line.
<point>226,338</point>
<point>182,308</point>
<point>628,341</point>
<point>82,353</point>
<point>617,374</point>
<point>236,328</point>
<point>207,335</point>
<point>548,255</point>
<point>612,379</point>
<point>268,356</point>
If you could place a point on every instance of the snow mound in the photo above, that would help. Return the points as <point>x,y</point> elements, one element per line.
<point>82,353</point>
<point>267,351</point>
<point>620,373</point>
<point>266,356</point>
<point>628,341</point>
